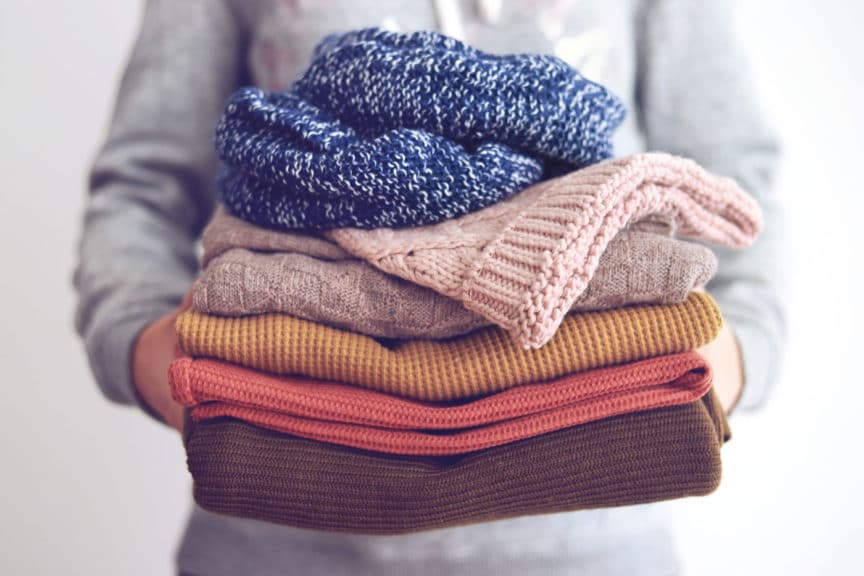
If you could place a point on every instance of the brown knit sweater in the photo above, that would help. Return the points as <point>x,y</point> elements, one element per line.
<point>641,457</point>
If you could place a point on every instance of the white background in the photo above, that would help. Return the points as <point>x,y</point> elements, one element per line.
<point>90,488</point>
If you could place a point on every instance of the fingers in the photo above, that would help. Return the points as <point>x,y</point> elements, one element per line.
<point>174,417</point>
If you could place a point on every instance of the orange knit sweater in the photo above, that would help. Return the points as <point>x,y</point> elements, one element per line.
<point>360,418</point>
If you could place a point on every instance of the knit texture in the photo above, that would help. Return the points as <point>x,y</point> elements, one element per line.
<point>478,364</point>
<point>523,262</point>
<point>243,470</point>
<point>346,294</point>
<point>356,417</point>
<point>637,267</point>
<point>538,104</point>
<point>291,166</point>
<point>386,129</point>
<point>225,232</point>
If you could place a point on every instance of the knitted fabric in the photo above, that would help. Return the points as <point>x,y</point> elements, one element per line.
<point>523,262</point>
<point>478,364</point>
<point>346,294</point>
<point>290,166</point>
<point>225,232</point>
<point>246,471</point>
<point>637,267</point>
<point>356,417</point>
<point>537,104</point>
<point>385,129</point>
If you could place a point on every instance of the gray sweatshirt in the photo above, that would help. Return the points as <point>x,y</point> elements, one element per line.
<point>674,63</point>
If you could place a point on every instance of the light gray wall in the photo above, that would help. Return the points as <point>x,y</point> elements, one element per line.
<point>85,487</point>
<point>790,501</point>
<point>89,488</point>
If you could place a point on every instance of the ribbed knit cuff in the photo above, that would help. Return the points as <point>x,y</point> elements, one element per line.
<point>110,354</point>
<point>760,358</point>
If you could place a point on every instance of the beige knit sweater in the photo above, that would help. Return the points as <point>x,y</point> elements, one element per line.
<point>251,270</point>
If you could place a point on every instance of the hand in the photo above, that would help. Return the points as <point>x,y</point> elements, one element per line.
<point>152,354</point>
<point>725,358</point>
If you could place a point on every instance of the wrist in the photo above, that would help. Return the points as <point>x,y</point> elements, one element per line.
<point>724,356</point>
<point>135,361</point>
<point>151,359</point>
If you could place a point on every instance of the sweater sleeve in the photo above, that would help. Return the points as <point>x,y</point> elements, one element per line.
<point>696,98</point>
<point>150,189</point>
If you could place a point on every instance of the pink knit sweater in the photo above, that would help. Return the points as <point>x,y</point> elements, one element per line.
<point>522,263</point>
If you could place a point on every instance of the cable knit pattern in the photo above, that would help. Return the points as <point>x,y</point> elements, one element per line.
<point>346,294</point>
<point>392,130</point>
<point>251,472</point>
<point>523,262</point>
<point>637,267</point>
<point>481,363</point>
<point>356,417</point>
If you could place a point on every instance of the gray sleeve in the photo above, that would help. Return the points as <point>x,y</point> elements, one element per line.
<point>697,99</point>
<point>151,185</point>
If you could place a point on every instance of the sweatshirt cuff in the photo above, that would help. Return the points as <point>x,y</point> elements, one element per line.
<point>110,354</point>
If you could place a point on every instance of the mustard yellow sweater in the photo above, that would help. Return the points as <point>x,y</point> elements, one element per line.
<point>480,363</point>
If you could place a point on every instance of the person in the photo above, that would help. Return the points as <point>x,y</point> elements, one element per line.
<point>676,65</point>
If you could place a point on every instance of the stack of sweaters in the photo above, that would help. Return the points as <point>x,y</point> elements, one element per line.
<point>432,298</point>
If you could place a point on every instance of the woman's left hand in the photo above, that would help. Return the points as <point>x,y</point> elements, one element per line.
<point>725,358</point>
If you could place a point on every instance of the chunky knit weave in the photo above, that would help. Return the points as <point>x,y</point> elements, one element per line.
<point>478,364</point>
<point>243,470</point>
<point>291,166</point>
<point>374,79</point>
<point>385,129</point>
<point>523,262</point>
<point>342,291</point>
<point>352,416</point>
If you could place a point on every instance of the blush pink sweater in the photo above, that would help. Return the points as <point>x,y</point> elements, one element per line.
<point>522,263</point>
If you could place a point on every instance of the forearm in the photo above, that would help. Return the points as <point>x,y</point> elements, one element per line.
<point>697,100</point>
<point>151,186</point>
<point>133,269</point>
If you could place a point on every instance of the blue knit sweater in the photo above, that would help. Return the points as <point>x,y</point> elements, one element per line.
<point>393,130</point>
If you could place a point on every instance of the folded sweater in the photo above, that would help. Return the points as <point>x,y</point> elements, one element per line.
<point>225,232</point>
<point>638,267</point>
<point>522,263</point>
<point>352,416</point>
<point>389,129</point>
<point>478,364</point>
<point>289,165</point>
<point>347,294</point>
<point>535,103</point>
<point>243,470</point>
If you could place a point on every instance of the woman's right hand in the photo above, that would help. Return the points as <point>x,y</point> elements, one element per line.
<point>152,355</point>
